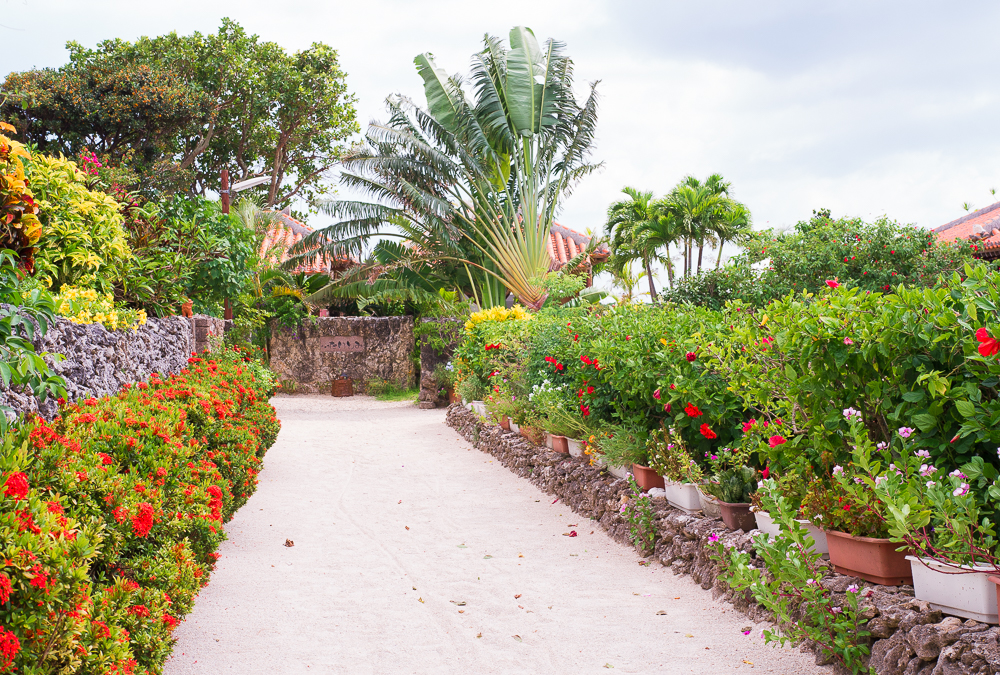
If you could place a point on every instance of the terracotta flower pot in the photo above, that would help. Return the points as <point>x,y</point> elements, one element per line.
<point>533,434</point>
<point>646,478</point>
<point>505,423</point>
<point>186,309</point>
<point>737,516</point>
<point>453,397</point>
<point>869,558</point>
<point>559,443</point>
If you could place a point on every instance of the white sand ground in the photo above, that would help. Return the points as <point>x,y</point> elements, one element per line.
<point>360,593</point>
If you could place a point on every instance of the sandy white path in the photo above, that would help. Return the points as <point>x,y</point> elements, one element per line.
<point>359,593</point>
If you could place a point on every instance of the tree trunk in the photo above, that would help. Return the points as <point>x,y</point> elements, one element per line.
<point>701,250</point>
<point>670,268</point>
<point>718,260</point>
<point>649,278</point>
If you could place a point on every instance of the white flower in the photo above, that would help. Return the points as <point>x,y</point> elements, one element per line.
<point>961,490</point>
<point>880,479</point>
<point>881,446</point>
<point>957,474</point>
<point>931,484</point>
<point>927,470</point>
<point>836,610</point>
<point>924,454</point>
<point>837,470</point>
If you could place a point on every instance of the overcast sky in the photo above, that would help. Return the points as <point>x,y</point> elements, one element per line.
<point>865,108</point>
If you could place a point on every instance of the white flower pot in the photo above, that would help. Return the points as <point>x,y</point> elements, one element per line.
<point>765,523</point>
<point>683,496</point>
<point>618,471</point>
<point>709,504</point>
<point>575,447</point>
<point>969,595</point>
<point>513,427</point>
<point>548,440</point>
<point>479,407</point>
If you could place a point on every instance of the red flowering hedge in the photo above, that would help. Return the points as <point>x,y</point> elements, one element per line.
<point>112,513</point>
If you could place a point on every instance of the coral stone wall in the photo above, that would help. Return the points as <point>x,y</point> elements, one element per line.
<point>313,356</point>
<point>98,361</point>
<point>434,351</point>
<point>908,636</point>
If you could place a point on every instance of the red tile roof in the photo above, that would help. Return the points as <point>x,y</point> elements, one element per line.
<point>565,244</point>
<point>287,232</point>
<point>984,221</point>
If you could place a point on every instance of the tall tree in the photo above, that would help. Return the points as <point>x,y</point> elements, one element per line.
<point>627,226</point>
<point>477,180</point>
<point>734,225</point>
<point>185,107</point>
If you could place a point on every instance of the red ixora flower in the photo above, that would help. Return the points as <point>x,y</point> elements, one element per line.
<point>142,523</point>
<point>690,356</point>
<point>775,441</point>
<point>988,346</point>
<point>16,485</point>
<point>707,432</point>
<point>832,283</point>
<point>749,425</point>
<point>692,410</point>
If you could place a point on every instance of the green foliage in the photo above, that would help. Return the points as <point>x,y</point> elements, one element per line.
<point>787,581</point>
<point>387,390</point>
<point>83,242</point>
<point>177,109</point>
<point>638,513</point>
<point>733,485</point>
<point>876,257</point>
<point>25,315</point>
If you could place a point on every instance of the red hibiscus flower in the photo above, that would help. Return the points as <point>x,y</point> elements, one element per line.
<point>666,408</point>
<point>775,441</point>
<point>707,432</point>
<point>749,425</point>
<point>988,346</point>
<point>766,473</point>
<point>690,356</point>
<point>831,283</point>
<point>656,394</point>
<point>692,410</point>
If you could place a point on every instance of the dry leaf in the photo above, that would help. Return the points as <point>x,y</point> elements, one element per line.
<point>677,598</point>
<point>661,613</point>
<point>520,555</point>
<point>520,606</point>
<point>572,525</point>
<point>289,543</point>
<point>608,665</point>
<point>479,635</point>
<point>688,635</point>
<point>487,557</point>
<point>462,546</point>
<point>516,637</point>
<point>749,663</point>
<point>414,588</point>
<point>400,501</point>
<point>407,526</point>
<point>420,599</point>
<point>461,611</point>
<point>517,596</point>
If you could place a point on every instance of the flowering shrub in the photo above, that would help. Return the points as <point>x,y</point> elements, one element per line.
<point>113,511</point>
<point>19,224</point>
<point>85,305</point>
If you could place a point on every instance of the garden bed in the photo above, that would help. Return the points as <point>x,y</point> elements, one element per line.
<point>908,637</point>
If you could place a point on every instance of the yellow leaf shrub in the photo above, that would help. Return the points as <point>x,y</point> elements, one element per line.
<point>515,313</point>
<point>85,305</point>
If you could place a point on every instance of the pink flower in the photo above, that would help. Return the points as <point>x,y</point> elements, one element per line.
<point>848,341</point>
<point>831,283</point>
<point>775,441</point>
<point>712,538</point>
<point>691,356</point>
<point>656,394</point>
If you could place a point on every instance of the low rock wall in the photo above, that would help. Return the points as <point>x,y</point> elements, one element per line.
<point>908,637</point>
<point>436,349</point>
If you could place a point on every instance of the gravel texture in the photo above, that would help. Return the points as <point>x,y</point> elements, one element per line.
<point>360,593</point>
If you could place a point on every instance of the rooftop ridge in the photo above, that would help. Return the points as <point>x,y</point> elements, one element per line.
<point>975,214</point>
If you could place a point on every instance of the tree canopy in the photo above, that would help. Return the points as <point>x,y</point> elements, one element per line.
<point>177,109</point>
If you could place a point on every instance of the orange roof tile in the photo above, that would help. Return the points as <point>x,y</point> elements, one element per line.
<point>565,244</point>
<point>287,232</point>
<point>984,221</point>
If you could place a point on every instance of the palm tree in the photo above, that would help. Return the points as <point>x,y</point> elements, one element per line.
<point>625,279</point>
<point>735,225</point>
<point>474,185</point>
<point>661,232</point>
<point>626,219</point>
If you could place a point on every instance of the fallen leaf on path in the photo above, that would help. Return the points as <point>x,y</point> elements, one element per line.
<point>555,500</point>
<point>407,526</point>
<point>461,611</point>
<point>677,598</point>
<point>688,635</point>
<point>660,613</point>
<point>479,635</point>
<point>420,600</point>
<point>462,546</point>
<point>520,606</point>
<point>591,531</point>
<point>517,596</point>
<point>573,525</point>
<point>399,502</point>
<point>516,637</point>
<point>520,555</point>
<point>459,603</point>
<point>289,543</point>
<point>571,533</point>
<point>414,588</point>
<point>608,665</point>
<point>749,663</point>
<point>644,563</point>
<point>487,557</point>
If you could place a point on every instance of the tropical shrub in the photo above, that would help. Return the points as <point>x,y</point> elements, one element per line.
<point>18,220</point>
<point>113,511</point>
<point>85,305</point>
<point>83,240</point>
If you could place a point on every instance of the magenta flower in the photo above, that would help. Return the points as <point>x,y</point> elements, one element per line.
<point>848,341</point>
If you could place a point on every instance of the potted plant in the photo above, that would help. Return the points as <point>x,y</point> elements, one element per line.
<point>791,488</point>
<point>624,447</point>
<point>681,473</point>
<point>554,406</point>
<point>444,375</point>
<point>732,483</point>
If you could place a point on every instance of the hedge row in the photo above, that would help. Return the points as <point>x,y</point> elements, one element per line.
<point>112,513</point>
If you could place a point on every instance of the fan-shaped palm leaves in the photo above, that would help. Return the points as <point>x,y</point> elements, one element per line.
<point>471,186</point>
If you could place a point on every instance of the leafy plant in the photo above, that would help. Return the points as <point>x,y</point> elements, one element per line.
<point>788,582</point>
<point>734,485</point>
<point>638,513</point>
